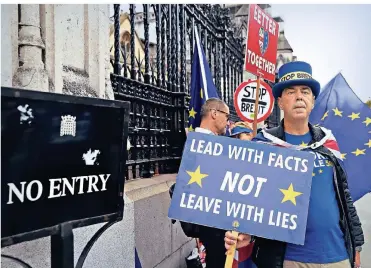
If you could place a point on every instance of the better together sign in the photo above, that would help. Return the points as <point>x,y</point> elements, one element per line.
<point>261,189</point>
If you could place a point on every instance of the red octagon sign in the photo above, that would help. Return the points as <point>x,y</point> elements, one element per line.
<point>244,101</point>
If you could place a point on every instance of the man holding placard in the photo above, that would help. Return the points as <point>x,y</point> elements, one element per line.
<point>334,234</point>
<point>214,119</point>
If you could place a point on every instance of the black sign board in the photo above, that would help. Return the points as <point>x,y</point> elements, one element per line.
<point>62,160</point>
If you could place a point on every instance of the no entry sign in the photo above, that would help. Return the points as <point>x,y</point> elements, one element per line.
<point>262,39</point>
<point>244,101</point>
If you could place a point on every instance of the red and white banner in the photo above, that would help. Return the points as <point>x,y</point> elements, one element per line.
<point>262,40</point>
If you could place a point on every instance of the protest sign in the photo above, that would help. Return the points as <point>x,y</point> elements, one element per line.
<point>244,101</point>
<point>261,44</point>
<point>262,189</point>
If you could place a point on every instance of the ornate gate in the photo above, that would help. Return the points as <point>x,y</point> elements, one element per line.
<point>157,85</point>
<point>154,74</point>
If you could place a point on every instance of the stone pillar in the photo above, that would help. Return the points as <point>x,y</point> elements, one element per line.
<point>96,29</point>
<point>31,73</point>
<point>53,51</point>
<point>9,41</point>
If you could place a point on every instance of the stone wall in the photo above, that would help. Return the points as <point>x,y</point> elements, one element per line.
<point>56,48</point>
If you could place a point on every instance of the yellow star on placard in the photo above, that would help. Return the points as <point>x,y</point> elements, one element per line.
<point>192,113</point>
<point>190,128</point>
<point>354,116</point>
<point>342,156</point>
<point>337,112</point>
<point>368,144</point>
<point>290,194</point>
<point>358,152</point>
<point>367,121</point>
<point>313,174</point>
<point>196,176</point>
<point>324,116</point>
<point>303,144</point>
<point>201,93</point>
<point>320,171</point>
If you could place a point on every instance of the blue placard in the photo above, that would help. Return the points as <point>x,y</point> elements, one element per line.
<point>262,189</point>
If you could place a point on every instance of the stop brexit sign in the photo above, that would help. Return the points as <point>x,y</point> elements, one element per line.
<point>262,39</point>
<point>244,101</point>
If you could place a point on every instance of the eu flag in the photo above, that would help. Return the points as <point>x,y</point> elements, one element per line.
<point>202,85</point>
<point>339,109</point>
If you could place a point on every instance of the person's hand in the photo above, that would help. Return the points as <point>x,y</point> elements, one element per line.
<point>358,260</point>
<point>242,240</point>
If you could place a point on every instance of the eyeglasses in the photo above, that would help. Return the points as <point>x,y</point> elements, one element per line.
<point>226,114</point>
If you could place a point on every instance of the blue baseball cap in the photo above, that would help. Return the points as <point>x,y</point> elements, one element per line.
<point>238,130</point>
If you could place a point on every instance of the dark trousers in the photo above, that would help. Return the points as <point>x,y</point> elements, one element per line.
<point>213,240</point>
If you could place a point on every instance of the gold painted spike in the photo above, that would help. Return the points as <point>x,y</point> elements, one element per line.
<point>231,252</point>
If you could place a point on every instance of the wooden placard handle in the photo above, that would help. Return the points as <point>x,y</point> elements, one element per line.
<point>255,123</point>
<point>230,253</point>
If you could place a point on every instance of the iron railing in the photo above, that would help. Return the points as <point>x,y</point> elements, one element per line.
<point>152,69</point>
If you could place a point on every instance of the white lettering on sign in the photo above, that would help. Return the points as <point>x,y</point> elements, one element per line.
<point>201,203</point>
<point>260,62</point>
<point>239,210</point>
<point>245,183</point>
<point>210,148</point>
<point>289,162</point>
<point>20,192</point>
<point>245,154</point>
<point>281,219</point>
<point>58,187</point>
<point>264,20</point>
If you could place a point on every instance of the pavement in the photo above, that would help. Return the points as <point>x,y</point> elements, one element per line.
<point>363,207</point>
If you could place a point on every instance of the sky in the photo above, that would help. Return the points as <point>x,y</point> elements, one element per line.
<point>332,38</point>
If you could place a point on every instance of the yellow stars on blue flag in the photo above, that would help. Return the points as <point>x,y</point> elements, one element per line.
<point>196,176</point>
<point>340,110</point>
<point>337,112</point>
<point>354,116</point>
<point>201,94</point>
<point>359,152</point>
<point>367,121</point>
<point>290,194</point>
<point>324,116</point>
<point>192,113</point>
<point>190,128</point>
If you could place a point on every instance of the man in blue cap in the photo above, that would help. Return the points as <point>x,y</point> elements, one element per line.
<point>334,235</point>
<point>242,131</point>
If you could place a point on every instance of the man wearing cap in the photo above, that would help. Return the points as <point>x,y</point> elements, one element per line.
<point>334,235</point>
<point>242,131</point>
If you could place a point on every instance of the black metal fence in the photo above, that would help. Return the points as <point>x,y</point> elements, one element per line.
<point>152,69</point>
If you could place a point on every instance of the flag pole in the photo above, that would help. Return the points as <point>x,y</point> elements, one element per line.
<point>257,93</point>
